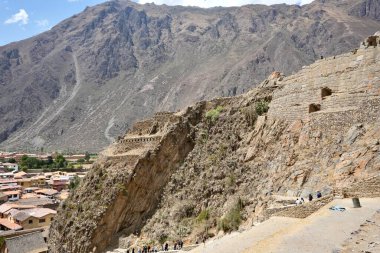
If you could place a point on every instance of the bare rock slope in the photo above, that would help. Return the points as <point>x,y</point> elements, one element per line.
<point>84,82</point>
<point>321,132</point>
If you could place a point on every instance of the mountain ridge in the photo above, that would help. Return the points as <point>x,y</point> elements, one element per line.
<point>133,60</point>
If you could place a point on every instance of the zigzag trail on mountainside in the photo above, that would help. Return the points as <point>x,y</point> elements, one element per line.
<point>87,80</point>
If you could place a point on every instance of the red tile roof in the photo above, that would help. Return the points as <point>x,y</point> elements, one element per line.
<point>11,192</point>
<point>8,224</point>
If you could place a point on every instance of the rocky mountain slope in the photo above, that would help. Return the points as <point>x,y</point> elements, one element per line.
<point>184,174</point>
<point>84,82</point>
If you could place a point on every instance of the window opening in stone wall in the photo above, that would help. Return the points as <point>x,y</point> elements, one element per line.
<point>314,108</point>
<point>325,92</point>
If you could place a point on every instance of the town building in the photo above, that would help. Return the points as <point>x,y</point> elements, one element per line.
<point>25,243</point>
<point>32,218</point>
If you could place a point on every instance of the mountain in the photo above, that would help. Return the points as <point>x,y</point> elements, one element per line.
<point>219,165</point>
<point>87,80</point>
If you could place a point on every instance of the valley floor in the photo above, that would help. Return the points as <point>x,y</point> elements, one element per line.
<point>323,231</point>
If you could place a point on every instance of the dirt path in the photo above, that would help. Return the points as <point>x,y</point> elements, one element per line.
<point>238,242</point>
<point>366,238</point>
<point>323,231</point>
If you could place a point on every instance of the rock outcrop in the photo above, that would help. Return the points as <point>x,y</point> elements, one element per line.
<point>291,136</point>
<point>87,80</point>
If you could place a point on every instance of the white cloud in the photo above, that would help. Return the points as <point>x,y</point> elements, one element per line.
<point>42,23</point>
<point>21,17</point>
<point>226,3</point>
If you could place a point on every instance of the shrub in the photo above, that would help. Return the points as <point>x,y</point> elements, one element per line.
<point>213,114</point>
<point>231,180</point>
<point>250,115</point>
<point>232,219</point>
<point>163,238</point>
<point>203,215</point>
<point>262,107</point>
<point>74,183</point>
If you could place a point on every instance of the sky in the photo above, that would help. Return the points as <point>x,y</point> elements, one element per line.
<point>21,19</point>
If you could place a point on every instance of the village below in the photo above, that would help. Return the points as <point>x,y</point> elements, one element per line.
<point>31,188</point>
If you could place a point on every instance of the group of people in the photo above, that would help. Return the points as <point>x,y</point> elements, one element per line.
<point>178,245</point>
<point>165,247</point>
<point>301,200</point>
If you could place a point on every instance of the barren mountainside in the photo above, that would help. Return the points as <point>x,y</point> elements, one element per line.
<point>84,82</point>
<point>182,175</point>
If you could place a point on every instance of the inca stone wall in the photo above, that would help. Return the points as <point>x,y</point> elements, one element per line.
<point>352,79</point>
<point>321,133</point>
<point>301,211</point>
<point>369,188</point>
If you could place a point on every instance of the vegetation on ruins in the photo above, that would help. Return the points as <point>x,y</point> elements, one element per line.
<point>213,114</point>
<point>203,215</point>
<point>233,218</point>
<point>250,114</point>
<point>74,183</point>
<point>2,241</point>
<point>262,107</point>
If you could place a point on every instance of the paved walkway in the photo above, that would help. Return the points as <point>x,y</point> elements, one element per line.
<point>323,231</point>
<point>238,242</point>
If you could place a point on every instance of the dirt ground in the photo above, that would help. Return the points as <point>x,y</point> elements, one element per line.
<point>353,230</point>
<point>366,238</point>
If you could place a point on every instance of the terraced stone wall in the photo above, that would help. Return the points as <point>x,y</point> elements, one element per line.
<point>328,87</point>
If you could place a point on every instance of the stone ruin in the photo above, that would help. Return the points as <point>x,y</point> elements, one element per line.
<point>372,41</point>
<point>144,136</point>
<point>325,87</point>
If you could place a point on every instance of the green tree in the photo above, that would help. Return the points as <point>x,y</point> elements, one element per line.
<point>12,160</point>
<point>87,157</point>
<point>60,161</point>
<point>49,160</point>
<point>30,163</point>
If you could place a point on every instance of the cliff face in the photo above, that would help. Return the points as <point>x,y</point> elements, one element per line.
<point>321,133</point>
<point>134,170</point>
<point>84,82</point>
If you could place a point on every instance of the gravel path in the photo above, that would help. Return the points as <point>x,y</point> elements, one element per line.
<point>238,242</point>
<point>323,231</point>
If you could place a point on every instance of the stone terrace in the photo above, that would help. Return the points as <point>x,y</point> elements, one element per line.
<point>328,87</point>
<point>144,136</point>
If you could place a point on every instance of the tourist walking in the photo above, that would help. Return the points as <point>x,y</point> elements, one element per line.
<point>310,197</point>
<point>319,194</point>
